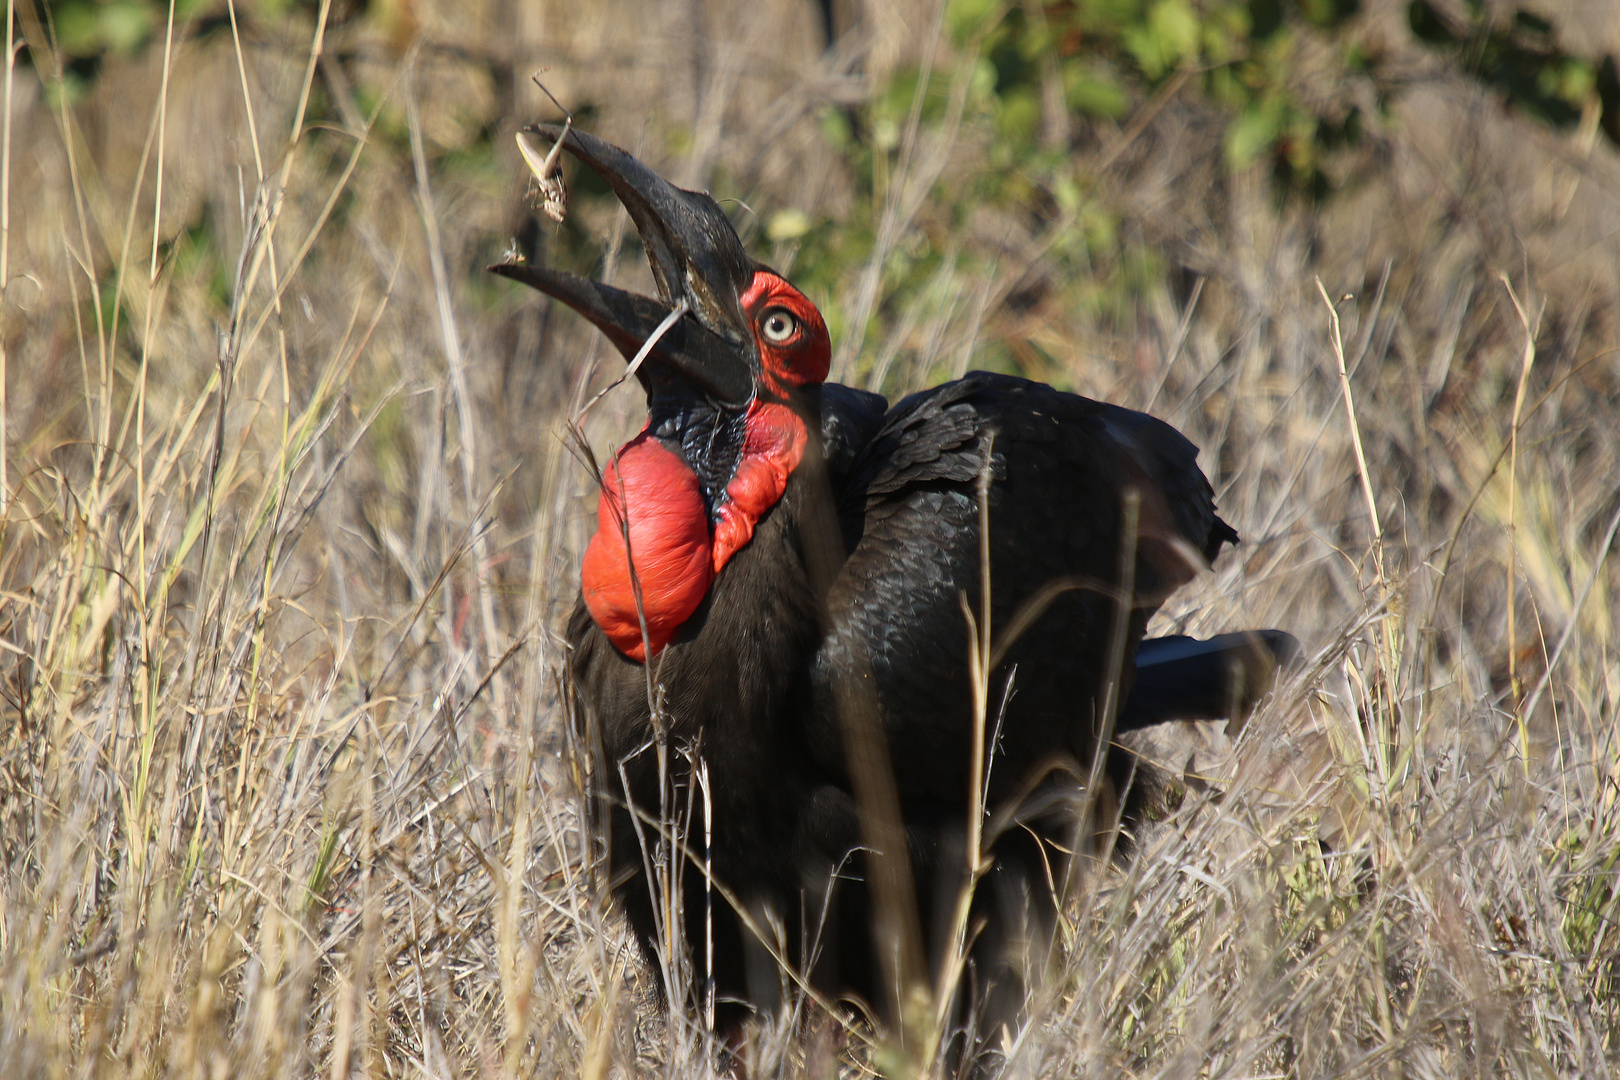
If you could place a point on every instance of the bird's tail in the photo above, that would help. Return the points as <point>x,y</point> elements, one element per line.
<point>1183,678</point>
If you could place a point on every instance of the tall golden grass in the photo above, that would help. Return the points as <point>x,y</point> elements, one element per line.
<point>290,525</point>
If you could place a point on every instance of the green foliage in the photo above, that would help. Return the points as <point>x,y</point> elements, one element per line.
<point>1522,58</point>
<point>1271,73</point>
<point>1314,900</point>
<point>1107,53</point>
<point>1593,901</point>
<point>85,32</point>
<point>195,255</point>
<point>1096,62</point>
<point>89,27</point>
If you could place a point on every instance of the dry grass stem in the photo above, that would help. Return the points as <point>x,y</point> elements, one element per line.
<point>291,521</point>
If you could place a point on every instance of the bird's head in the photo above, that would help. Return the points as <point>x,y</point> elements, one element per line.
<point>726,399</point>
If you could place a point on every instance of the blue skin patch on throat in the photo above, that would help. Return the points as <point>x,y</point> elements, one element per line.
<point>706,436</point>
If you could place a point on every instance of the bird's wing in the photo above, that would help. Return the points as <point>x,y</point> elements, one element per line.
<point>1174,481</point>
<point>849,420</point>
<point>1059,467</point>
<point>938,436</point>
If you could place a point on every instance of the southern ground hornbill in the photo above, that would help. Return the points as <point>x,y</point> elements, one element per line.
<point>771,652</point>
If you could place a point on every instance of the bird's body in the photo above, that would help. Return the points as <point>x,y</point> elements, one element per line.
<point>798,558</point>
<point>750,681</point>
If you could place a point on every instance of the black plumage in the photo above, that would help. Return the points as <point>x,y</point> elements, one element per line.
<point>749,681</point>
<point>850,598</point>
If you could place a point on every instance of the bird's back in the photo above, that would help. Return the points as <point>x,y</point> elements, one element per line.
<point>1058,471</point>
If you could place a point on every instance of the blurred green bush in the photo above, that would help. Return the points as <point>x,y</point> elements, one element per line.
<point>1287,86</point>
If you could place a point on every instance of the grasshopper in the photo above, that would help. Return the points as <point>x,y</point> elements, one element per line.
<point>551,193</point>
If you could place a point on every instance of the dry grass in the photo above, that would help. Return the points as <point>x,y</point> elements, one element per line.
<point>289,528</point>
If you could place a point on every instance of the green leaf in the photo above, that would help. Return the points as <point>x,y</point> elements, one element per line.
<point>1107,16</point>
<point>1020,116</point>
<point>964,17</point>
<point>1175,24</point>
<point>1250,135</point>
<point>1576,82</point>
<point>124,26</point>
<point>78,29</point>
<point>1169,36</point>
<point>835,129</point>
<point>1094,92</point>
<point>789,224</point>
<point>1144,49</point>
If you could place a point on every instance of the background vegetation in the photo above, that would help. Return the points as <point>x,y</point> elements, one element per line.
<point>289,524</point>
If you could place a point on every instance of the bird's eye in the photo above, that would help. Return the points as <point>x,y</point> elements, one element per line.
<point>778,326</point>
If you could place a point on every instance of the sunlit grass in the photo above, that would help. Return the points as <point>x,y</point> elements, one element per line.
<point>291,527</point>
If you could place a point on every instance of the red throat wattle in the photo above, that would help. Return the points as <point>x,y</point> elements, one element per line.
<point>674,554</point>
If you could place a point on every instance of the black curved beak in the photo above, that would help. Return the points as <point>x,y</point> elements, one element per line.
<point>695,256</point>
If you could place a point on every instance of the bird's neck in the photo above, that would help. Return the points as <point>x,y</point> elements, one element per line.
<point>667,525</point>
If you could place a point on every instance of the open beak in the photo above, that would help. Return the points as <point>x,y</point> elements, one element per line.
<point>696,257</point>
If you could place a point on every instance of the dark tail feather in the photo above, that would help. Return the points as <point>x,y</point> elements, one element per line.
<point>1182,678</point>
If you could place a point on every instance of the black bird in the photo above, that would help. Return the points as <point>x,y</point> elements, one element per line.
<point>782,566</point>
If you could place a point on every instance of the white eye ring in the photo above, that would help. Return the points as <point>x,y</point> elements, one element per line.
<point>779,326</point>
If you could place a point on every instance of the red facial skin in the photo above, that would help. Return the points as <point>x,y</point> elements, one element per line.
<point>805,355</point>
<point>676,557</point>
<point>669,546</point>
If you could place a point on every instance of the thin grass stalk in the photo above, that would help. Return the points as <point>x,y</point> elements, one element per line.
<point>150,661</point>
<point>454,360</point>
<point>896,926</point>
<point>1489,473</point>
<point>702,772</point>
<point>1599,558</point>
<point>1107,709</point>
<point>5,245</point>
<point>1527,360</point>
<point>42,46</point>
<point>1336,340</point>
<point>259,249</point>
<point>516,965</point>
<point>954,960</point>
<point>661,863</point>
<point>980,670</point>
<point>1390,653</point>
<point>247,96</point>
<point>226,358</point>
